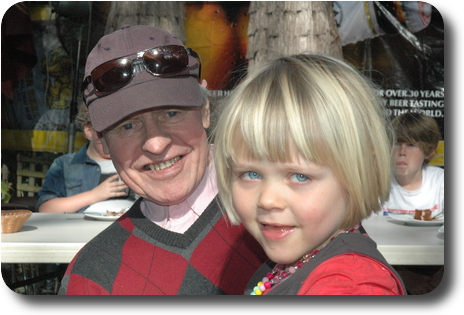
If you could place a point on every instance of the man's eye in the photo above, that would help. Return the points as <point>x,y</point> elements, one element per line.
<point>172,116</point>
<point>128,129</point>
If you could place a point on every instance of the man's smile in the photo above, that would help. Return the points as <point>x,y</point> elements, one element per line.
<point>162,165</point>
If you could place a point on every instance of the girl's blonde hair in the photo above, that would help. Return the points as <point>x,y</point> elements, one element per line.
<point>323,108</point>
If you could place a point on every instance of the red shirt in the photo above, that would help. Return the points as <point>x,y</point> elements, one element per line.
<point>351,274</point>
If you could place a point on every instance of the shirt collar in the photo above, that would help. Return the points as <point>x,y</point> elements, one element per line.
<point>180,217</point>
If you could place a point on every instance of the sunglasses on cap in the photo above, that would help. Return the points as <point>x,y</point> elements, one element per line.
<point>162,61</point>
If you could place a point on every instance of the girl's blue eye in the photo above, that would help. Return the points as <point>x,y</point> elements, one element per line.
<point>251,175</point>
<point>299,178</point>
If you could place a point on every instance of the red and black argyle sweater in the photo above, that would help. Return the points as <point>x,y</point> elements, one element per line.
<point>134,256</point>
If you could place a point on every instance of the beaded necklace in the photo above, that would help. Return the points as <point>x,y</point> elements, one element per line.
<point>279,273</point>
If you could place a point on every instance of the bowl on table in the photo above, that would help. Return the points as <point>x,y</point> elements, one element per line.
<point>13,220</point>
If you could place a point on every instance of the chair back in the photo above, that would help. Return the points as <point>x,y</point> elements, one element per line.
<point>30,174</point>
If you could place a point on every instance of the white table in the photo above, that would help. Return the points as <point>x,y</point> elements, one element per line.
<point>56,238</point>
<point>403,244</point>
<point>50,238</point>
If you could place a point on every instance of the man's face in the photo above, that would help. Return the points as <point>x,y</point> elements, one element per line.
<point>161,154</point>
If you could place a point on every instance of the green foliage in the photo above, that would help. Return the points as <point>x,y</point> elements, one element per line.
<point>6,196</point>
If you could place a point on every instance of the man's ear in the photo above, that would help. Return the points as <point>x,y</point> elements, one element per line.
<point>205,111</point>
<point>205,116</point>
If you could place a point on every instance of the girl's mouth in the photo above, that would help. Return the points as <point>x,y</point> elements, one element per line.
<point>162,165</point>
<point>276,232</point>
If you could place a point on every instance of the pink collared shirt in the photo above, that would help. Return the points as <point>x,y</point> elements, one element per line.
<point>178,218</point>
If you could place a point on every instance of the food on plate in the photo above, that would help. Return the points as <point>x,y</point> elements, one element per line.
<point>423,215</point>
<point>112,213</point>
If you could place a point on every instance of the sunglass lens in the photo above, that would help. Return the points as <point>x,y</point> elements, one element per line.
<point>112,75</point>
<point>166,60</point>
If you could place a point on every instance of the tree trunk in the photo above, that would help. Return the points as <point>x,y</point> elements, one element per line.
<point>167,15</point>
<point>291,27</point>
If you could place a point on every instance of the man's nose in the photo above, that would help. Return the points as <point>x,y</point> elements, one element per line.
<point>156,140</point>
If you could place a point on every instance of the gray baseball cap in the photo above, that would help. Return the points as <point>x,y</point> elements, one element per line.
<point>145,91</point>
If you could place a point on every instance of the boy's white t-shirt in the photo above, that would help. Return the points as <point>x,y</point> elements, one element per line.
<point>431,194</point>
<point>107,167</point>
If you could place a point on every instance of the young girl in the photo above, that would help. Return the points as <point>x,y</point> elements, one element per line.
<point>303,156</point>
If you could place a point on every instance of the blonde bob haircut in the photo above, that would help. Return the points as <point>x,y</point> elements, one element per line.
<point>322,108</point>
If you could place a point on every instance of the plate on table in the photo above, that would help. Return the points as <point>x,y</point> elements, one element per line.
<point>100,210</point>
<point>409,220</point>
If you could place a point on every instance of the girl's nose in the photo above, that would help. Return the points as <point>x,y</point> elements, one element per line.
<point>270,198</point>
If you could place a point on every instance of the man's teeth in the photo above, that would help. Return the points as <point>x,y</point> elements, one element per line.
<point>163,165</point>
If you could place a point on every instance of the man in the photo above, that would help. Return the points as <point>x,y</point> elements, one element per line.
<point>142,89</point>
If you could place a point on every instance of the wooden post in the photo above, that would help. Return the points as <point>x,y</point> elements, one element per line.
<point>291,27</point>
